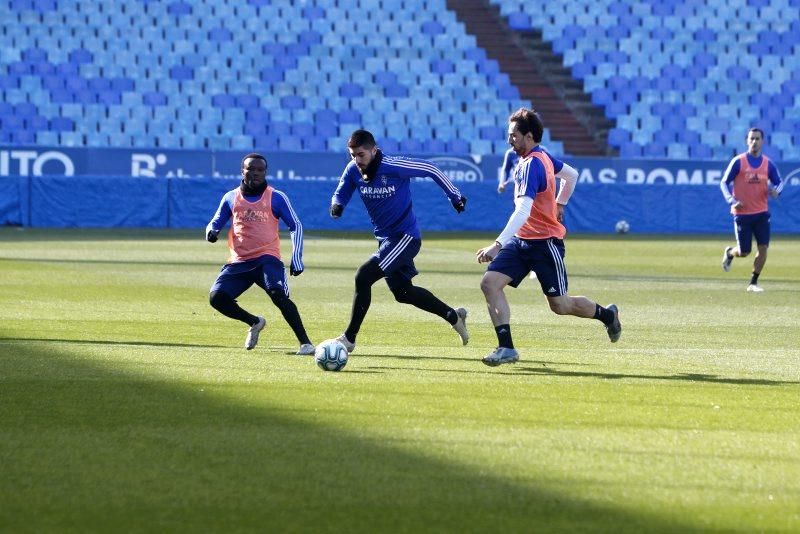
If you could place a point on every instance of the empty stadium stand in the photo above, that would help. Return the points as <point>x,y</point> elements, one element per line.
<point>680,78</point>
<point>530,64</point>
<point>296,76</point>
<point>677,78</point>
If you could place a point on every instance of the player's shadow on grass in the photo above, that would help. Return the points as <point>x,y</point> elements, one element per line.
<point>678,278</point>
<point>87,445</point>
<point>687,377</point>
<point>107,342</point>
<point>459,359</point>
<point>113,262</point>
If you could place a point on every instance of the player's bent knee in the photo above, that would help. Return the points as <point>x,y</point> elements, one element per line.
<point>485,286</point>
<point>401,294</point>
<point>367,274</point>
<point>217,298</point>
<point>278,296</point>
<point>490,284</point>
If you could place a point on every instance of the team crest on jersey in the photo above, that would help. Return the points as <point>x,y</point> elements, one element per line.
<point>384,179</point>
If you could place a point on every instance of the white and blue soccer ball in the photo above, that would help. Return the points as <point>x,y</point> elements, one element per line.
<point>331,355</point>
<point>622,227</point>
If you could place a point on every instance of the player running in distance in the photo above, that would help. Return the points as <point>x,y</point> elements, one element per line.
<point>750,179</point>
<point>504,174</point>
<point>533,240</point>
<point>255,246</point>
<point>383,182</point>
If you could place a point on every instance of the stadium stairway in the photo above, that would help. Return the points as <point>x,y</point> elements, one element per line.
<point>536,71</point>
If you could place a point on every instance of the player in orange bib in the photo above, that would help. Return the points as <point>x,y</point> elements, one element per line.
<point>533,240</point>
<point>254,209</point>
<point>750,179</point>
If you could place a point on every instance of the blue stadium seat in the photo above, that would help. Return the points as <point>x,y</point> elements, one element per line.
<point>80,56</point>
<point>223,100</point>
<point>519,21</point>
<point>242,142</point>
<point>292,102</point>
<point>351,90</point>
<point>458,146</point>
<point>700,151</point>
<point>314,144</point>
<point>388,145</point>
<point>411,146</point>
<point>179,8</point>
<point>289,144</point>
<point>71,139</point>
<point>12,122</point>
<point>481,146</point>
<point>630,150</point>
<point>491,133</point>
<point>617,137</point>
<point>280,129</point>
<point>23,137</point>
<point>349,116</point>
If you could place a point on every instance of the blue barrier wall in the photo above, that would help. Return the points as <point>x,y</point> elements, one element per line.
<point>56,188</point>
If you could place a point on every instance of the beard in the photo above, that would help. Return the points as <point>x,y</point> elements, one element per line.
<point>249,189</point>
<point>368,173</point>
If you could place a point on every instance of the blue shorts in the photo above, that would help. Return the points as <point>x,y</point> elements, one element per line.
<point>267,272</point>
<point>395,257</point>
<point>545,257</point>
<point>748,226</point>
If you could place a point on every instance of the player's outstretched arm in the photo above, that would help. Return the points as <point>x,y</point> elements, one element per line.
<point>504,172</point>
<point>415,168</point>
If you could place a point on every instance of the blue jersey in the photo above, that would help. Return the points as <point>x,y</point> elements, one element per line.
<point>530,177</point>
<point>510,160</point>
<point>281,209</point>
<point>387,197</point>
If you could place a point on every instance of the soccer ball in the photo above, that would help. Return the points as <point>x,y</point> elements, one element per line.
<point>331,355</point>
<point>622,227</point>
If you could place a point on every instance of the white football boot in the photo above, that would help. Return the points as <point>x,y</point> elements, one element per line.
<point>252,335</point>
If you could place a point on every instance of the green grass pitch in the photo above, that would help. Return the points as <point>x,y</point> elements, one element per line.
<point>128,404</point>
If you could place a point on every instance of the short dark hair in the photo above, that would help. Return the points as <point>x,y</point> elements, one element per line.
<point>528,122</point>
<point>759,130</point>
<point>255,155</point>
<point>361,138</point>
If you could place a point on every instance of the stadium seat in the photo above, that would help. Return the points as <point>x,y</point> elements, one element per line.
<point>457,146</point>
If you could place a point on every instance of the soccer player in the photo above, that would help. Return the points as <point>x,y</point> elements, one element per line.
<point>533,240</point>
<point>255,246</point>
<point>504,175</point>
<point>383,182</point>
<point>749,181</point>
